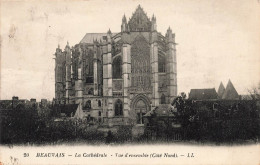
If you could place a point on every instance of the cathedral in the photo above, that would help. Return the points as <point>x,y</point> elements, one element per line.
<point>116,78</point>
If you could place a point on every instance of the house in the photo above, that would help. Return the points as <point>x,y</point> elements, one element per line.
<point>203,94</point>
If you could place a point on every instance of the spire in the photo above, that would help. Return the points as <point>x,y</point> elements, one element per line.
<point>154,25</point>
<point>230,92</point>
<point>58,49</point>
<point>124,19</point>
<point>124,24</point>
<point>153,18</point>
<point>109,34</point>
<point>109,31</point>
<point>221,90</point>
<point>169,29</point>
<point>67,46</point>
<point>170,37</point>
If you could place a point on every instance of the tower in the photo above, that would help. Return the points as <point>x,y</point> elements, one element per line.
<point>171,65</point>
<point>68,72</point>
<point>154,64</point>
<point>78,81</point>
<point>59,76</point>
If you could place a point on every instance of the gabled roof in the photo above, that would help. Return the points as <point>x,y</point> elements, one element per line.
<point>90,37</point>
<point>230,92</point>
<point>139,21</point>
<point>221,90</point>
<point>203,94</point>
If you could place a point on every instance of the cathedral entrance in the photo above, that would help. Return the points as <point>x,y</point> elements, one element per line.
<point>140,105</point>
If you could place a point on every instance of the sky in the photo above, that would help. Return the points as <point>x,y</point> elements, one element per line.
<point>217,40</point>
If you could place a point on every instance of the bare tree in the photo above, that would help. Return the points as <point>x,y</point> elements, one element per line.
<point>255,92</point>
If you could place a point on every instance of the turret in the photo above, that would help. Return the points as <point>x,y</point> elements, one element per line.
<point>170,36</point>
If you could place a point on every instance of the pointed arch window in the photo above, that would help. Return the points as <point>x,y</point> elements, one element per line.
<point>88,105</point>
<point>117,67</point>
<point>99,103</point>
<point>118,108</point>
<point>91,91</point>
<point>163,100</point>
<point>161,63</point>
<point>140,64</point>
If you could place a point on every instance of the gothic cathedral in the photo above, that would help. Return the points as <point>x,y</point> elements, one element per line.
<point>118,77</point>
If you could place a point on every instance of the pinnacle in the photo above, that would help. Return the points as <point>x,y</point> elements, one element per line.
<point>124,18</point>
<point>109,31</point>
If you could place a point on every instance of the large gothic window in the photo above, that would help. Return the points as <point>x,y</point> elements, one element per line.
<point>118,108</point>
<point>64,71</point>
<point>59,73</point>
<point>140,64</point>
<point>161,63</point>
<point>117,67</point>
<point>75,68</point>
<point>99,103</point>
<point>88,67</point>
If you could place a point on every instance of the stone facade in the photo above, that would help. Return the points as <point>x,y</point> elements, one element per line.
<point>118,77</point>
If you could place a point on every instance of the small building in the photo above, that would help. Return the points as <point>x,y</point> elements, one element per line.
<point>203,94</point>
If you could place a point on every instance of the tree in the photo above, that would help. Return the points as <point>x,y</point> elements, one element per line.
<point>255,92</point>
<point>183,95</point>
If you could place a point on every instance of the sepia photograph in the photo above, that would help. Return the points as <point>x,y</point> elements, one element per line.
<point>129,82</point>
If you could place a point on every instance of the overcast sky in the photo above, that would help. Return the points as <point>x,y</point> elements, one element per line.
<point>217,40</point>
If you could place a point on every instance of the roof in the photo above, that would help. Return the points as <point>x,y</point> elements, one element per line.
<point>230,92</point>
<point>221,90</point>
<point>203,94</point>
<point>139,21</point>
<point>90,37</point>
<point>67,109</point>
